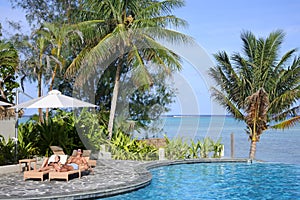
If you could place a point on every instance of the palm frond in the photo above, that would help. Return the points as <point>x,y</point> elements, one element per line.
<point>287,123</point>
<point>141,75</point>
<point>226,103</point>
<point>249,45</point>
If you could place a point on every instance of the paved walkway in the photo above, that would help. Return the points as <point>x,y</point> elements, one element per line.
<point>110,177</point>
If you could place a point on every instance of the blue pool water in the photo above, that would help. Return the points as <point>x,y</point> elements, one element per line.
<point>221,181</point>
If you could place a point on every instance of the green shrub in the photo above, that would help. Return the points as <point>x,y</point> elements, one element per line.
<point>176,149</point>
<point>7,149</point>
<point>123,147</point>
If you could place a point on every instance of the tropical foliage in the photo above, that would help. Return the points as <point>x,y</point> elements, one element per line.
<point>123,147</point>
<point>121,36</point>
<point>91,130</point>
<point>177,148</point>
<point>9,61</point>
<point>128,39</point>
<point>57,130</point>
<point>12,151</point>
<point>7,149</point>
<point>46,11</point>
<point>258,86</point>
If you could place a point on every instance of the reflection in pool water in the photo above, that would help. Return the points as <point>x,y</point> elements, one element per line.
<point>221,181</point>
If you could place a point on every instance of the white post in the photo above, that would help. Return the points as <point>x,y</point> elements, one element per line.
<point>161,154</point>
<point>222,151</point>
<point>102,147</point>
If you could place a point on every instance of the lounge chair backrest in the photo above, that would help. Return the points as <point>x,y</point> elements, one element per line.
<point>57,150</point>
<point>86,153</point>
<point>74,153</point>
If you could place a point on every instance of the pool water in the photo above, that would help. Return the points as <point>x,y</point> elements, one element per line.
<point>221,181</point>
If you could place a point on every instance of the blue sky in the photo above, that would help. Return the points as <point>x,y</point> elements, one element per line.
<point>215,25</point>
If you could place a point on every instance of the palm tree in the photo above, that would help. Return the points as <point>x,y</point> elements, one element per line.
<point>9,61</point>
<point>131,33</point>
<point>38,62</point>
<point>58,36</point>
<point>258,87</point>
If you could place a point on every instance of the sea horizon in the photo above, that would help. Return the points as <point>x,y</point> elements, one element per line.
<point>274,145</point>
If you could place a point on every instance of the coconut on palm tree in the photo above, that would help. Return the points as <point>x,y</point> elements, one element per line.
<point>259,86</point>
<point>131,35</point>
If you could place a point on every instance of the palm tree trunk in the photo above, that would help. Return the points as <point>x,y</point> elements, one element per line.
<point>51,88</point>
<point>41,119</point>
<point>114,101</point>
<point>252,149</point>
<point>54,75</point>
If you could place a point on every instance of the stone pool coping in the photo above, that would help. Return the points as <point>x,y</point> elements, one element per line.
<point>111,177</point>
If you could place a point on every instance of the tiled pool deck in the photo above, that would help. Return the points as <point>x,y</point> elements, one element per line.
<point>111,177</point>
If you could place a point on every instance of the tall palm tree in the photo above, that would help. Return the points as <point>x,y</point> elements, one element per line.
<point>58,35</point>
<point>258,87</point>
<point>38,62</point>
<point>131,35</point>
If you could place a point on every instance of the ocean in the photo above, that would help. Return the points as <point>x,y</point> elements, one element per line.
<point>281,146</point>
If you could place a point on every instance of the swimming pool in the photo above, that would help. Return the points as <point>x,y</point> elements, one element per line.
<point>221,181</point>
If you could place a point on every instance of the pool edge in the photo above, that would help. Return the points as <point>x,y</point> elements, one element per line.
<point>143,180</point>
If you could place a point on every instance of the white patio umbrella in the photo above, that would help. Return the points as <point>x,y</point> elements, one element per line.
<point>54,99</point>
<point>2,103</point>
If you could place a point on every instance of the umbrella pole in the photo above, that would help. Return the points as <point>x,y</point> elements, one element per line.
<point>16,127</point>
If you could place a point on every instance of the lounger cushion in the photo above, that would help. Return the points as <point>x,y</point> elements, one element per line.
<point>63,159</point>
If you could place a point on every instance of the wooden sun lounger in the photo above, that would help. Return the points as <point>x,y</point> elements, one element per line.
<point>64,175</point>
<point>35,174</point>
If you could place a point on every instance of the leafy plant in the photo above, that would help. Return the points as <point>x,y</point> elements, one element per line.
<point>90,130</point>
<point>7,149</point>
<point>27,141</point>
<point>218,148</point>
<point>206,146</point>
<point>9,61</point>
<point>194,149</point>
<point>124,147</point>
<point>176,149</point>
<point>58,130</point>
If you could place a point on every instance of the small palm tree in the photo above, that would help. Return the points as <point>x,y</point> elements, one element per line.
<point>258,87</point>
